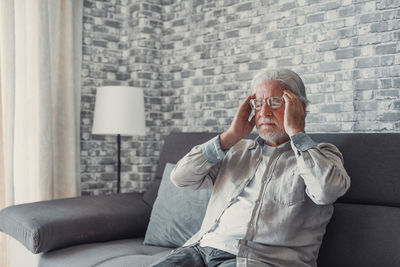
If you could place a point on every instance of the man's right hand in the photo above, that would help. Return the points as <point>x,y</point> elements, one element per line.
<point>240,126</point>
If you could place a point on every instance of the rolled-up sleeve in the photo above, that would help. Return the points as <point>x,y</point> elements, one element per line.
<point>212,150</point>
<point>321,167</point>
<point>199,168</point>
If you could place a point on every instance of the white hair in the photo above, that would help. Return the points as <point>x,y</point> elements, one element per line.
<point>286,77</point>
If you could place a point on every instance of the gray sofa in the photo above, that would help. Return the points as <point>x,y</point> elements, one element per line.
<point>109,230</point>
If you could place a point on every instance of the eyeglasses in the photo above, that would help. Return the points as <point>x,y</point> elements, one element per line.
<point>273,102</point>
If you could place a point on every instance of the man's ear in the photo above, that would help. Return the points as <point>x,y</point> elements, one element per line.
<point>304,107</point>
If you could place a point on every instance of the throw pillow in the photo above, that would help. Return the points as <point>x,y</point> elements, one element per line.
<point>177,213</point>
<point>149,197</point>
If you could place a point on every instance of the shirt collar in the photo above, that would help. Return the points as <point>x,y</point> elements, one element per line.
<point>260,142</point>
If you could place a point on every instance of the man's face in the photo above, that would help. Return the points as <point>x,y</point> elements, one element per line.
<point>270,122</point>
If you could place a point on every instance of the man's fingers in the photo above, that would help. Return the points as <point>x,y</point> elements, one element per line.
<point>246,102</point>
<point>289,94</point>
<point>248,98</point>
<point>287,98</point>
<point>292,96</point>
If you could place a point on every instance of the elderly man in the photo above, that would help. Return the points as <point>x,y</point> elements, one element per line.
<point>272,197</point>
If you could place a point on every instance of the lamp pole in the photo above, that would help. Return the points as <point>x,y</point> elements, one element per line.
<point>119,163</point>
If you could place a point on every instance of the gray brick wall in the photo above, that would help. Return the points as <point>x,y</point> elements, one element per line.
<point>122,46</point>
<point>195,60</point>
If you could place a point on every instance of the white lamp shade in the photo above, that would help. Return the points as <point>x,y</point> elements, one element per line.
<point>119,110</point>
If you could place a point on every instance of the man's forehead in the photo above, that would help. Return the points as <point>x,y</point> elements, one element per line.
<point>272,87</point>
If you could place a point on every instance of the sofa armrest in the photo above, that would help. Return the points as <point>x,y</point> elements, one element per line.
<point>48,225</point>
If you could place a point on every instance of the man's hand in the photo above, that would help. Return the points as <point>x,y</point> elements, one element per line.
<point>240,126</point>
<point>295,113</point>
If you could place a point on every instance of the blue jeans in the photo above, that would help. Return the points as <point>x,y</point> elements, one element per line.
<point>196,256</point>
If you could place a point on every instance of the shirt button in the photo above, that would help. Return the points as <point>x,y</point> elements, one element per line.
<point>297,145</point>
<point>257,202</point>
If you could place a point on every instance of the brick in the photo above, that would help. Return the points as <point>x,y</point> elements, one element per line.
<point>366,84</point>
<point>275,34</point>
<point>389,116</point>
<point>155,8</point>
<point>257,29</point>
<point>367,62</point>
<point>287,6</point>
<point>388,94</point>
<point>244,7</point>
<point>372,17</point>
<point>286,23</point>
<point>365,106</point>
<point>315,118</point>
<point>284,62</point>
<point>210,122</point>
<point>386,49</point>
<point>99,43</point>
<point>232,34</point>
<point>395,105</point>
<point>178,22</point>
<point>330,66</point>
<point>366,39</point>
<point>331,108</point>
<point>327,46</point>
<point>114,24</point>
<point>330,6</point>
<point>386,83</point>
<point>349,11</point>
<point>256,65</point>
<point>208,72</point>
<point>347,53</point>
<point>385,4</point>
<point>280,43</point>
<point>315,18</point>
<point>346,33</point>
<point>379,27</point>
<point>245,76</point>
<point>229,2</point>
<point>325,127</point>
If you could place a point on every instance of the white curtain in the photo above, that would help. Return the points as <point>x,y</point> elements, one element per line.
<point>40,63</point>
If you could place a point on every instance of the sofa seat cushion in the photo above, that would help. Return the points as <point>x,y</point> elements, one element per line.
<point>132,260</point>
<point>103,253</point>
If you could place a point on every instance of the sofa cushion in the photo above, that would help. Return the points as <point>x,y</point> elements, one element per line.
<point>149,197</point>
<point>177,213</point>
<point>103,254</point>
<point>362,235</point>
<point>75,220</point>
<point>133,260</point>
<point>372,162</point>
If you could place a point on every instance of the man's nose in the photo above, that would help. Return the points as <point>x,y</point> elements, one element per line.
<point>266,110</point>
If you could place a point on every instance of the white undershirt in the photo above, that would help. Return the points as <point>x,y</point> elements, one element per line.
<point>233,222</point>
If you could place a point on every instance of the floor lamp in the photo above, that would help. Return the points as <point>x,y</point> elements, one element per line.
<point>119,110</point>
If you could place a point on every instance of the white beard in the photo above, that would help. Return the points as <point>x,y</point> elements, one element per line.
<point>273,135</point>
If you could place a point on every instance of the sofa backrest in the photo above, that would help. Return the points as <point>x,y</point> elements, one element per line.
<point>365,228</point>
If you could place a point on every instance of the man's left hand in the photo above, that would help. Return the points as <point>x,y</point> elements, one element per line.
<point>295,113</point>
